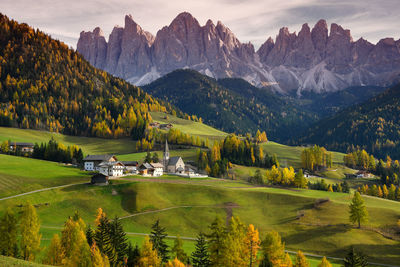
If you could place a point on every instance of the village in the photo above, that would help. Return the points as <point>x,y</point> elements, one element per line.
<point>109,167</point>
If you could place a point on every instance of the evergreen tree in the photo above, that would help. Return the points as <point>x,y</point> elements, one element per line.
<point>104,241</point>
<point>200,256</point>
<point>55,252</point>
<point>301,260</point>
<point>357,209</point>
<point>324,263</point>
<point>8,234</point>
<point>155,158</point>
<point>355,259</point>
<point>30,237</point>
<point>118,240</point>
<point>148,255</point>
<point>133,255</point>
<point>299,180</point>
<point>148,157</point>
<point>216,241</point>
<point>157,238</point>
<point>178,252</point>
<point>90,236</point>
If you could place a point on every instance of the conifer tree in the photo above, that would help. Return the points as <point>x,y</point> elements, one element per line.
<point>8,234</point>
<point>216,241</point>
<point>357,209</point>
<point>157,238</point>
<point>177,250</point>
<point>301,260</point>
<point>30,237</point>
<point>118,239</point>
<point>148,255</point>
<point>355,259</point>
<point>324,263</point>
<point>133,255</point>
<point>103,239</point>
<point>55,252</point>
<point>200,256</point>
<point>89,236</point>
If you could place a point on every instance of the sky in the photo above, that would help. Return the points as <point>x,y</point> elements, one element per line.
<point>250,20</point>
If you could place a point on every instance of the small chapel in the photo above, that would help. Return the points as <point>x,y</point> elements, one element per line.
<point>173,164</point>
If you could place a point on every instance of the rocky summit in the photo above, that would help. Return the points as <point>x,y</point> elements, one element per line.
<point>316,59</point>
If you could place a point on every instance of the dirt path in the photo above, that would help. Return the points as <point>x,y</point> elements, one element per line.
<point>40,190</point>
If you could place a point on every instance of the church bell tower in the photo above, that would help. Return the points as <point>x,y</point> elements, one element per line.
<point>166,155</point>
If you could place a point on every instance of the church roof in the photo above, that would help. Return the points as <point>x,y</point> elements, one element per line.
<point>173,161</point>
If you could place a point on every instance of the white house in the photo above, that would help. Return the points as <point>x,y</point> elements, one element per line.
<point>157,169</point>
<point>91,162</point>
<point>111,168</point>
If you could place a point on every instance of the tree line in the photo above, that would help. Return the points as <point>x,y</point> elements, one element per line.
<point>51,151</point>
<point>234,150</point>
<point>391,192</point>
<point>316,158</point>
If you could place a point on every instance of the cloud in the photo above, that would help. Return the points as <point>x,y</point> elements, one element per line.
<point>250,20</point>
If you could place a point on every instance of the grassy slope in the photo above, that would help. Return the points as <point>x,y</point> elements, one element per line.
<point>12,262</point>
<point>89,145</point>
<point>267,208</point>
<point>190,127</point>
<point>19,174</point>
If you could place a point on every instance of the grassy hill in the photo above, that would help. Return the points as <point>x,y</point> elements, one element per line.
<point>19,175</point>
<point>89,145</point>
<point>323,229</point>
<point>12,262</point>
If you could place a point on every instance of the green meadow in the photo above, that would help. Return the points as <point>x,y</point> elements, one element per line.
<point>186,207</point>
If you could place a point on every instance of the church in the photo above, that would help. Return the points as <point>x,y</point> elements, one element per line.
<point>174,164</point>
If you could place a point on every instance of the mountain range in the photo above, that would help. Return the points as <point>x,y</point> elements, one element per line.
<point>316,59</point>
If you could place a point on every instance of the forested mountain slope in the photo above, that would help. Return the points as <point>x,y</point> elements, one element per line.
<point>46,85</point>
<point>373,125</point>
<point>232,105</point>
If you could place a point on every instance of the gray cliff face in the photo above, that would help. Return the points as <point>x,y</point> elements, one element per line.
<point>315,59</point>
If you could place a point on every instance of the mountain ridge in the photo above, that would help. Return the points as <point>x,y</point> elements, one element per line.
<point>373,125</point>
<point>316,59</point>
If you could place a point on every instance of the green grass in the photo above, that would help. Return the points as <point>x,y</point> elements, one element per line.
<point>323,230</point>
<point>189,127</point>
<point>20,174</point>
<point>89,145</point>
<point>12,262</point>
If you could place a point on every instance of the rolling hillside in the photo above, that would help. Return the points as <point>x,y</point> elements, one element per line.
<point>373,125</point>
<point>199,201</point>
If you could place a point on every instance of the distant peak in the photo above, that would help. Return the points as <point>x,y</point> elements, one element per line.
<point>98,32</point>
<point>321,24</point>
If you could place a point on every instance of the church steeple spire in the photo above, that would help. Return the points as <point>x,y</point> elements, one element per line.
<point>166,155</point>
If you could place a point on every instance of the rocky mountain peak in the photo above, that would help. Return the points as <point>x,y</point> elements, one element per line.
<point>314,59</point>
